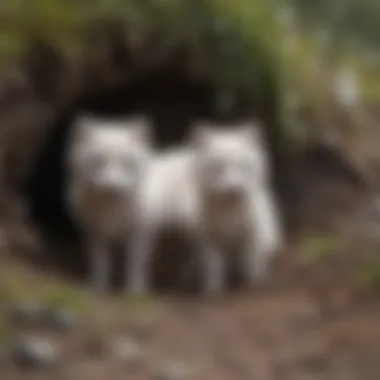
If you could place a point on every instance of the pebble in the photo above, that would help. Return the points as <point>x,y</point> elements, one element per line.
<point>128,351</point>
<point>173,370</point>
<point>61,320</point>
<point>35,353</point>
<point>26,313</point>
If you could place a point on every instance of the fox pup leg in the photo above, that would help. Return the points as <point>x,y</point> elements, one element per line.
<point>138,263</point>
<point>98,264</point>
<point>213,265</point>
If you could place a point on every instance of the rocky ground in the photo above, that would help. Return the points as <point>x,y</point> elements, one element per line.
<point>318,318</point>
<point>281,335</point>
<point>310,323</point>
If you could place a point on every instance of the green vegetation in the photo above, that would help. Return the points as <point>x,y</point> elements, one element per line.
<point>254,46</point>
<point>213,24</point>
<point>8,332</point>
<point>349,22</point>
<point>142,300</point>
<point>317,248</point>
<point>368,275</point>
<point>16,287</point>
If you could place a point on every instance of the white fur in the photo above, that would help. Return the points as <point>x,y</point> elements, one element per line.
<point>174,191</point>
<point>167,197</point>
<point>106,163</point>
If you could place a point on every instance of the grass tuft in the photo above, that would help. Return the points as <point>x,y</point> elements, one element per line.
<point>316,248</point>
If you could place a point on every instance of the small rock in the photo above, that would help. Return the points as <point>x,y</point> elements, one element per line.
<point>35,353</point>
<point>128,351</point>
<point>62,320</point>
<point>173,371</point>
<point>26,313</point>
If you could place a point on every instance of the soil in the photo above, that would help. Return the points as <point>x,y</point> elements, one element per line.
<point>296,328</point>
<point>281,335</point>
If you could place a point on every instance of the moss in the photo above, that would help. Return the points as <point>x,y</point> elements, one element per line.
<point>234,38</point>
<point>316,248</point>
<point>368,275</point>
<point>15,287</point>
<point>240,44</point>
<point>67,297</point>
<point>142,301</point>
<point>8,332</point>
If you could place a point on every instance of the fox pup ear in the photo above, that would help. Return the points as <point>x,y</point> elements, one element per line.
<point>142,126</point>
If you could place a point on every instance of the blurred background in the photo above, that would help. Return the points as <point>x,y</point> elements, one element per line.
<point>309,70</point>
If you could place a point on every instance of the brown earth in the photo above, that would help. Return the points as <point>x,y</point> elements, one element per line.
<point>281,335</point>
<point>310,323</point>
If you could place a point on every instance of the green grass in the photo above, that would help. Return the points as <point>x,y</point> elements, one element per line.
<point>368,275</point>
<point>140,299</point>
<point>18,285</point>
<point>57,296</point>
<point>8,332</point>
<point>67,297</point>
<point>239,41</point>
<point>316,248</point>
<point>54,297</point>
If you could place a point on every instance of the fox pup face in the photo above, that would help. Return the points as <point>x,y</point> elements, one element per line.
<point>112,154</point>
<point>229,160</point>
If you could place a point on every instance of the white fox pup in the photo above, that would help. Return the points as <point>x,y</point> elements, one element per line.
<point>106,163</point>
<point>218,190</point>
